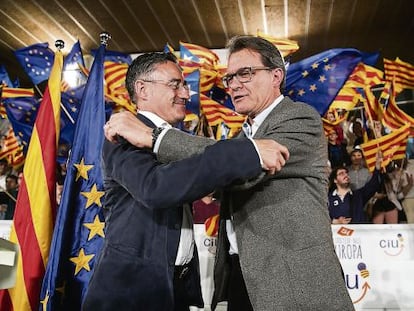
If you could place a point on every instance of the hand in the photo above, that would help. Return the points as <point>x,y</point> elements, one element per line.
<point>341,220</point>
<point>273,154</point>
<point>125,124</point>
<point>378,160</point>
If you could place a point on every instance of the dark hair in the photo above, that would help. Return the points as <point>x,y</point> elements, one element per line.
<point>334,174</point>
<point>269,53</point>
<point>357,150</point>
<point>143,65</point>
<point>12,176</point>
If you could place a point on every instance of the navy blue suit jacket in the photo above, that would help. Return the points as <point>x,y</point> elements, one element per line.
<point>144,199</point>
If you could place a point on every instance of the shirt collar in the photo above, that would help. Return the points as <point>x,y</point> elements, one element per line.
<point>335,192</point>
<point>258,120</point>
<point>159,122</point>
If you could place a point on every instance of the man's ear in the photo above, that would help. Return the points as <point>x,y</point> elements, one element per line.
<point>141,91</point>
<point>278,76</point>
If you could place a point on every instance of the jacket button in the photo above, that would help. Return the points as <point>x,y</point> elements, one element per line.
<point>177,226</point>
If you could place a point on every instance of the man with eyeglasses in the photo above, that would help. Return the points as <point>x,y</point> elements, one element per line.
<point>149,259</point>
<point>275,249</point>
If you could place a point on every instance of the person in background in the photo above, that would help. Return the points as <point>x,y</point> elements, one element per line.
<point>357,171</point>
<point>330,116</point>
<point>149,260</point>
<point>337,153</point>
<point>408,201</point>
<point>204,208</point>
<point>347,205</point>
<point>275,239</point>
<point>4,171</point>
<point>8,197</point>
<point>395,186</point>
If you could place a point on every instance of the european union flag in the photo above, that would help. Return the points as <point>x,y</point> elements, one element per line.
<point>116,57</point>
<point>75,57</point>
<point>316,80</point>
<point>36,60</point>
<point>22,112</point>
<point>4,77</point>
<point>79,228</point>
<point>73,66</point>
<point>71,102</point>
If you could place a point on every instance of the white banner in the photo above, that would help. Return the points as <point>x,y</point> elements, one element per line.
<point>378,263</point>
<point>5,228</point>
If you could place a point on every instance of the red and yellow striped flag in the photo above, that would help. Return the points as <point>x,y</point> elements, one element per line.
<point>36,202</point>
<point>401,72</point>
<point>12,150</point>
<point>393,116</point>
<point>362,76</point>
<point>285,46</point>
<point>393,147</point>
<point>216,113</point>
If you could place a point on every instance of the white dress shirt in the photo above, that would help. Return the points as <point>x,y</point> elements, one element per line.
<point>186,245</point>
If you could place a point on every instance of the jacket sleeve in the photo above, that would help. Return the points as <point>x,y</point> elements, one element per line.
<point>178,145</point>
<point>158,185</point>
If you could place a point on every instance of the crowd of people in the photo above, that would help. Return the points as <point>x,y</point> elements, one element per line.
<point>355,194</point>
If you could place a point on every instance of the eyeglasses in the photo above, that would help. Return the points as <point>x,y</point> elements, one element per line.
<point>174,84</point>
<point>242,75</point>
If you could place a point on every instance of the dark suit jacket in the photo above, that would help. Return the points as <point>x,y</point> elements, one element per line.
<point>144,199</point>
<point>282,224</point>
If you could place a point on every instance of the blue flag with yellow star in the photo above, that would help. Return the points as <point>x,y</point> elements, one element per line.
<point>79,228</point>
<point>316,80</point>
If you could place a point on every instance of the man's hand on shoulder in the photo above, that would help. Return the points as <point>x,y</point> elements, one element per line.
<point>126,125</point>
<point>273,154</point>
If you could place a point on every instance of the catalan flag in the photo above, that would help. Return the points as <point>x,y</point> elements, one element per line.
<point>362,75</point>
<point>285,46</point>
<point>394,118</point>
<point>36,202</point>
<point>79,229</point>
<point>12,150</point>
<point>393,147</point>
<point>216,113</point>
<point>402,72</point>
<point>11,92</point>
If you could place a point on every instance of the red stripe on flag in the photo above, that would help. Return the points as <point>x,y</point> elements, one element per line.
<point>29,247</point>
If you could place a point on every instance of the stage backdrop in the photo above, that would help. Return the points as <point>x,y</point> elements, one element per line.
<point>378,262</point>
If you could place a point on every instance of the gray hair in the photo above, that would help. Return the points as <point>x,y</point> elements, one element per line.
<point>143,65</point>
<point>269,53</point>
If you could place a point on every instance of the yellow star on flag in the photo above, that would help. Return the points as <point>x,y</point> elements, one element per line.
<point>94,196</point>
<point>82,261</point>
<point>82,170</point>
<point>96,228</point>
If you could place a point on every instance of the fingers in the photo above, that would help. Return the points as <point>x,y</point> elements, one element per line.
<point>272,154</point>
<point>110,132</point>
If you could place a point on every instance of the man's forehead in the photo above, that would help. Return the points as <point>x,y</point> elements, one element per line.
<point>243,58</point>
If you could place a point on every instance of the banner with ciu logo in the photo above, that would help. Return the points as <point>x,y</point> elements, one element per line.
<point>205,236</point>
<point>378,264</point>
